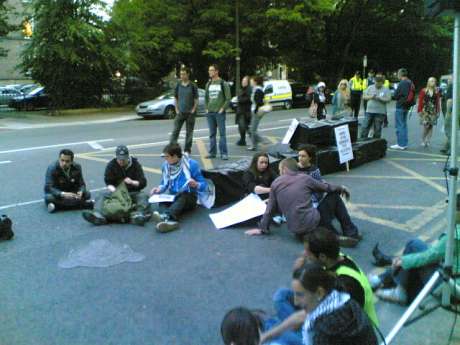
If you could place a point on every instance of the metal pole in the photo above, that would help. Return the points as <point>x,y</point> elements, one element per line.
<point>237,35</point>
<point>453,171</point>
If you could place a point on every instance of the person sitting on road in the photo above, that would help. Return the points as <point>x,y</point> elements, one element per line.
<point>123,169</point>
<point>240,326</point>
<point>259,177</point>
<point>291,195</point>
<point>181,177</point>
<point>330,205</point>
<point>65,187</point>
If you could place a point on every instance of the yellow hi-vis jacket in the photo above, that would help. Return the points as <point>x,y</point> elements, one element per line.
<point>356,84</point>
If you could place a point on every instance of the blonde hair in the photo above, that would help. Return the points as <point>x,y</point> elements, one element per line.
<point>428,82</point>
<point>345,92</point>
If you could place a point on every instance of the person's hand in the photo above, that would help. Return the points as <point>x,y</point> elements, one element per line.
<point>254,232</point>
<point>68,195</point>
<point>264,338</point>
<point>260,190</point>
<point>221,110</point>
<point>397,262</point>
<point>177,110</point>
<point>192,183</point>
<point>127,180</point>
<point>111,188</point>
<point>79,195</point>
<point>155,190</point>
<point>345,193</point>
<point>299,262</point>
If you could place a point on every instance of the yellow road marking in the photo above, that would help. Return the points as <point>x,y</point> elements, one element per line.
<point>426,216</point>
<point>392,207</point>
<point>207,163</point>
<point>273,140</point>
<point>419,153</point>
<point>357,213</point>
<point>387,177</point>
<point>417,159</point>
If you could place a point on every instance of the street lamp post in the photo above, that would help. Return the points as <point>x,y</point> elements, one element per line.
<point>237,35</point>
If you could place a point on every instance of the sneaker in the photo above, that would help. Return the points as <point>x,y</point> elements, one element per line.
<point>94,217</point>
<point>88,204</point>
<point>394,295</point>
<point>397,147</point>
<point>241,143</point>
<point>51,207</point>
<point>252,148</point>
<point>210,156</point>
<point>277,220</point>
<point>167,226</point>
<point>137,219</point>
<point>423,144</point>
<point>224,157</point>
<point>374,281</point>
<point>159,217</point>
<point>347,241</point>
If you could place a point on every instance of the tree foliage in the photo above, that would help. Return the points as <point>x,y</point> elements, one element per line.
<point>5,26</point>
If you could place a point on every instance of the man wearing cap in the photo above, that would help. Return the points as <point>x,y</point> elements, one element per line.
<point>127,169</point>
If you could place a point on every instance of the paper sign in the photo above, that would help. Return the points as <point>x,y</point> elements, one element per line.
<point>161,198</point>
<point>250,207</point>
<point>290,131</point>
<point>343,140</point>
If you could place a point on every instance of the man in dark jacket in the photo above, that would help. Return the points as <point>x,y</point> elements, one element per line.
<point>123,169</point>
<point>64,185</point>
<point>402,108</point>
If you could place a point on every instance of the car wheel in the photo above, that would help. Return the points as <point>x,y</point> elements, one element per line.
<point>288,105</point>
<point>170,112</point>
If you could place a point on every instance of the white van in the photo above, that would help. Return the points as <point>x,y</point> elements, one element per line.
<point>278,93</point>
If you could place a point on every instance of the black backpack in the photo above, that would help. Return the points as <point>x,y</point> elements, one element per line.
<point>6,228</point>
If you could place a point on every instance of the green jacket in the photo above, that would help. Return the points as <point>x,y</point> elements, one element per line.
<point>217,95</point>
<point>434,254</point>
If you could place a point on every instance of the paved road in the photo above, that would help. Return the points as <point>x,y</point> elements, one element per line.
<point>189,278</point>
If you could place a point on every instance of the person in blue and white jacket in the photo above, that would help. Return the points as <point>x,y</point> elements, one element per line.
<point>181,177</point>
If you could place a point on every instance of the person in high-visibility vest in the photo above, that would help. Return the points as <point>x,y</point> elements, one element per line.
<point>356,92</point>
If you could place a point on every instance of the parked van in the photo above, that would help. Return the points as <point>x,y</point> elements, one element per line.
<point>278,93</point>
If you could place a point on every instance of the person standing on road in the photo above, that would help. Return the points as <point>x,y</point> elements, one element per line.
<point>186,101</point>
<point>65,187</point>
<point>356,92</point>
<point>319,97</point>
<point>369,81</point>
<point>448,118</point>
<point>428,110</point>
<point>257,100</point>
<point>341,100</point>
<point>217,99</point>
<point>243,110</point>
<point>377,97</point>
<point>402,108</point>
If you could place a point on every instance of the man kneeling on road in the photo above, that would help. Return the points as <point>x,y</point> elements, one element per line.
<point>123,169</point>
<point>64,186</point>
<point>182,178</point>
<point>291,195</point>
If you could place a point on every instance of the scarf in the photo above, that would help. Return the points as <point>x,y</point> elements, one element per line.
<point>175,170</point>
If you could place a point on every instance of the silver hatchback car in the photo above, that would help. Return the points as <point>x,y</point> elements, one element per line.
<point>163,106</point>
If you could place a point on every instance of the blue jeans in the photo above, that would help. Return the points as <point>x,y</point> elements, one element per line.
<point>217,120</point>
<point>401,126</point>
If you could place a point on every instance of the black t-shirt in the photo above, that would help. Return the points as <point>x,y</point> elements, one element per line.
<point>264,179</point>
<point>349,284</point>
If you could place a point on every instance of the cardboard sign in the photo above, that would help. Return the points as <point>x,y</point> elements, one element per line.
<point>343,140</point>
<point>290,131</point>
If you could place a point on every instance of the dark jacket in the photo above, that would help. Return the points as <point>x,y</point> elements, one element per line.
<point>264,179</point>
<point>321,105</point>
<point>401,93</point>
<point>58,181</point>
<point>258,99</point>
<point>347,325</point>
<point>291,195</point>
<point>115,174</point>
<point>244,100</point>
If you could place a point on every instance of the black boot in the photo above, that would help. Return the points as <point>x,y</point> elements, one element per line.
<point>380,258</point>
<point>6,228</point>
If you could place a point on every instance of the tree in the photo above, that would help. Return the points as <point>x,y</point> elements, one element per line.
<point>70,52</point>
<point>5,27</point>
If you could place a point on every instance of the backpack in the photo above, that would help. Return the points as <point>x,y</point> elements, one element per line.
<point>6,231</point>
<point>222,86</point>
<point>410,100</point>
<point>117,205</point>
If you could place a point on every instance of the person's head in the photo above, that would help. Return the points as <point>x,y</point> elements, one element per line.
<point>358,74</point>
<point>172,153</point>
<point>402,73</point>
<point>343,85</point>
<point>321,86</point>
<point>122,155</point>
<point>371,73</point>
<point>240,327</point>
<point>259,163</point>
<point>322,246</point>
<point>213,71</point>
<point>245,81</point>
<point>379,81</point>
<point>257,81</point>
<point>286,165</point>
<point>307,155</point>
<point>65,158</point>
<point>312,286</point>
<point>431,84</point>
<point>184,74</point>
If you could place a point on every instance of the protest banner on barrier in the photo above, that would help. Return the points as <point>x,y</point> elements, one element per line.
<point>290,132</point>
<point>344,147</point>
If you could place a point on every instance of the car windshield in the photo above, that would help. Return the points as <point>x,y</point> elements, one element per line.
<point>35,91</point>
<point>169,94</point>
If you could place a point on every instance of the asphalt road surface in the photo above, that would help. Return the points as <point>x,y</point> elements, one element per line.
<point>189,278</point>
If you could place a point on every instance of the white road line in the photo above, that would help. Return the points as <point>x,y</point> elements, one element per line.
<point>18,204</point>
<point>5,162</point>
<point>95,145</point>
<point>55,145</point>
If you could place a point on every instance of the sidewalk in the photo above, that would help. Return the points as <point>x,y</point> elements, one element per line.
<point>14,120</point>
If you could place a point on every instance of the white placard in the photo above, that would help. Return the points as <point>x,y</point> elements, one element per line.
<point>250,207</point>
<point>290,131</point>
<point>161,198</point>
<point>343,140</point>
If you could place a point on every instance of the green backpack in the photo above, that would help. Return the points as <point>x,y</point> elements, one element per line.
<point>118,204</point>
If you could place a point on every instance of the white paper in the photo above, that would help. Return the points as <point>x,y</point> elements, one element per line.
<point>343,140</point>
<point>155,198</point>
<point>250,207</point>
<point>290,132</point>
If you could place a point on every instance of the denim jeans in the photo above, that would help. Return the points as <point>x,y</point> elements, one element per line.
<point>401,126</point>
<point>217,120</point>
<point>255,137</point>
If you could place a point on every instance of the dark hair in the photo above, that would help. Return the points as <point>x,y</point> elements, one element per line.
<point>289,163</point>
<point>314,276</point>
<point>240,327</point>
<point>358,73</point>
<point>310,150</point>
<point>402,72</point>
<point>216,67</point>
<point>379,78</point>
<point>254,161</point>
<point>66,152</point>
<point>322,240</point>
<point>173,149</point>
<point>185,69</point>
<point>258,80</point>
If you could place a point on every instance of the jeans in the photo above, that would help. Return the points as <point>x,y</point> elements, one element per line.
<point>189,120</point>
<point>355,102</point>
<point>448,124</point>
<point>255,137</point>
<point>182,203</point>
<point>139,199</point>
<point>401,127</point>
<point>375,121</point>
<point>217,120</point>
<point>414,279</point>
<point>67,204</point>
<point>331,207</point>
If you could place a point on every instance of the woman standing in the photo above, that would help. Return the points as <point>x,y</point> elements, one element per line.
<point>319,98</point>
<point>341,100</point>
<point>428,109</point>
<point>259,177</point>
<point>243,112</point>
<point>257,99</point>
